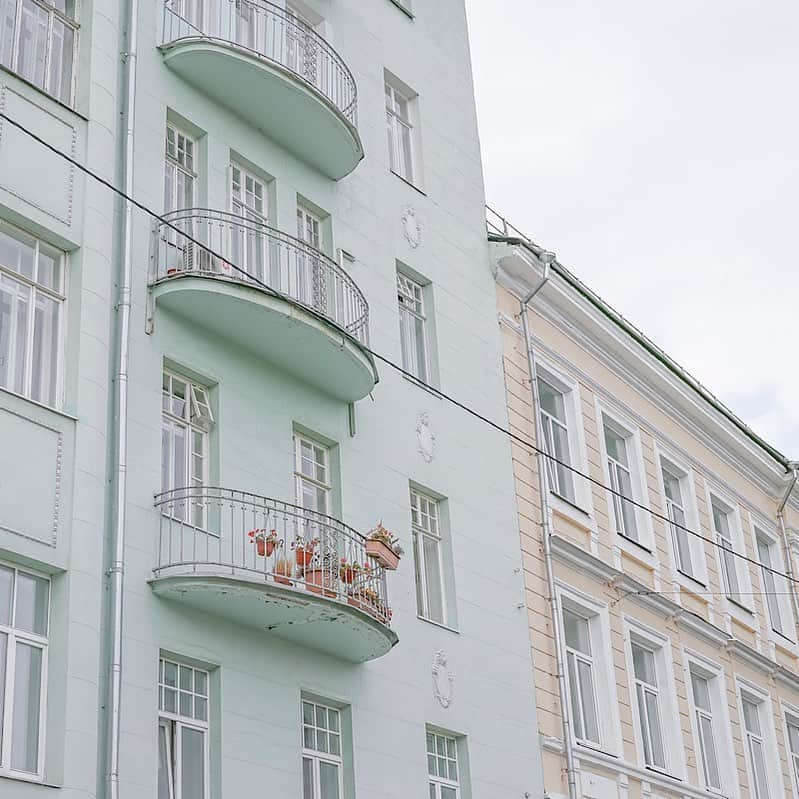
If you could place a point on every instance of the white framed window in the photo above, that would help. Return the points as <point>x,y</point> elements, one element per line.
<point>792,746</point>
<point>249,244</point>
<point>442,766</point>
<point>402,137</point>
<point>755,717</point>
<point>186,420</point>
<point>701,692</point>
<point>322,755</point>
<point>428,557</point>
<point>183,737</point>
<point>729,538</point>
<point>590,675</point>
<point>555,433</point>
<point>32,302</point>
<point>24,618</point>
<point>38,41</point>
<point>312,479</point>
<point>581,676</point>
<point>647,697</point>
<point>775,589</point>
<point>413,327</point>
<point>180,170</point>
<point>312,281</point>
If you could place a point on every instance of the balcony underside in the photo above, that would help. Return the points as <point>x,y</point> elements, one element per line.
<point>273,99</point>
<point>306,619</point>
<point>278,331</point>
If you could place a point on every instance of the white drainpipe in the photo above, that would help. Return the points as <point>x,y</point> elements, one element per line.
<point>794,467</point>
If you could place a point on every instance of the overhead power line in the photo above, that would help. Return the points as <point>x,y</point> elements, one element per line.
<point>252,279</point>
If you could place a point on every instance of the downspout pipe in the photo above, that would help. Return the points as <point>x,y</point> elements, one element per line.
<point>546,258</point>
<point>116,570</point>
<point>789,570</point>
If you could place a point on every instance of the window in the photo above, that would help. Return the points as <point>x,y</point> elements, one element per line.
<point>24,612</point>
<point>581,681</point>
<point>311,270</point>
<point>442,766</point>
<point>413,327</point>
<point>775,588</point>
<point>647,695</point>
<point>617,447</point>
<point>723,525</point>
<point>425,526</point>
<point>31,307</point>
<point>248,200</point>
<point>555,431</point>
<point>701,692</point>
<point>186,419</point>
<point>38,41</point>
<point>182,731</point>
<point>792,726</point>
<point>322,765</point>
<point>313,485</point>
<point>180,170</point>
<point>755,746</point>
<point>399,106</point>
<point>675,509</point>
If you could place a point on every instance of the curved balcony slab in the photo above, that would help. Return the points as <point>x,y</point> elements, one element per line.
<point>274,71</point>
<point>290,305</point>
<point>291,583</point>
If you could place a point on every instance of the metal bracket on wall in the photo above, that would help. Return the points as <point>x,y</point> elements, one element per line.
<point>351,418</point>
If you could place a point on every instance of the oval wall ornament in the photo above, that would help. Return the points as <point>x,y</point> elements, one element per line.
<point>425,438</point>
<point>443,680</point>
<point>411,227</point>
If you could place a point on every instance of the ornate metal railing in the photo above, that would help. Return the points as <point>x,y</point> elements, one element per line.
<point>270,32</point>
<point>250,252</point>
<point>236,532</point>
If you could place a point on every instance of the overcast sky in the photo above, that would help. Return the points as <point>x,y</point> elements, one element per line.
<point>652,144</point>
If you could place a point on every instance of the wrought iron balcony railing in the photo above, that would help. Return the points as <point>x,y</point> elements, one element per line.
<point>269,32</point>
<point>226,532</point>
<point>263,256</point>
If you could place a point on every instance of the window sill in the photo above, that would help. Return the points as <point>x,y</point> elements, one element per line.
<point>565,507</point>
<point>408,183</point>
<point>424,386</point>
<point>636,544</point>
<point>740,612</point>
<point>50,97</point>
<point>438,624</point>
<point>408,13</point>
<point>34,780</point>
<point>40,405</point>
<point>661,772</point>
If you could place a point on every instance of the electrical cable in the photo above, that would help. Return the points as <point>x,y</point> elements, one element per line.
<point>533,448</point>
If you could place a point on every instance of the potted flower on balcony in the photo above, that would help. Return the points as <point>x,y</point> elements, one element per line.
<point>283,571</point>
<point>266,541</point>
<point>383,546</point>
<point>321,576</point>
<point>368,600</point>
<point>350,571</point>
<point>304,550</point>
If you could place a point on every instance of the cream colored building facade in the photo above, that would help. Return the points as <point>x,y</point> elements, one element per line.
<point>676,639</point>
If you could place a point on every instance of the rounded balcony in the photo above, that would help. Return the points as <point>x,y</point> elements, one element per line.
<point>275,567</point>
<point>271,69</point>
<point>265,292</point>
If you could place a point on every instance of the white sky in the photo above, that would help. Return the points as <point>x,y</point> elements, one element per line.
<point>654,146</point>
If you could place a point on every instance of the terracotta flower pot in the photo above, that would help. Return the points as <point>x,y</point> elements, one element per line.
<point>304,556</point>
<point>283,571</point>
<point>382,553</point>
<point>320,581</point>
<point>347,574</point>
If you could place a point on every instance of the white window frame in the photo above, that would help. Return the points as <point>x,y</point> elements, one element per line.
<point>773,766</point>
<point>317,756</point>
<point>642,548</point>
<point>395,122</point>
<point>774,588</point>
<point>790,717</point>
<point>174,723</point>
<point>720,722</point>
<point>660,646</point>
<point>14,637</point>
<point>741,607</point>
<point>301,478</point>
<point>413,305</point>
<point>34,289</point>
<point>696,546</point>
<point>174,164</point>
<point>433,533</point>
<point>598,617</point>
<point>53,15</point>
<point>436,781</point>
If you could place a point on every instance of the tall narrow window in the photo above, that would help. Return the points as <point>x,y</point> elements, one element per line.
<point>312,477</point>
<point>24,614</point>
<point>248,245</point>
<point>755,747</point>
<point>186,419</point>
<point>322,758</point>
<point>442,766</point>
<point>413,323</point>
<point>38,41</point>
<point>183,694</point>
<point>180,173</point>
<point>729,560</point>
<point>428,557</point>
<point>701,692</point>
<point>647,695</point>
<point>617,447</point>
<point>31,307</point>
<point>772,582</point>
<point>400,131</point>
<point>675,509</point>
<point>793,747</point>
<point>311,278</point>
<point>581,680</point>
<point>556,439</point>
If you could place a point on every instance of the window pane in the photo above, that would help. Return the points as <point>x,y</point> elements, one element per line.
<point>6,595</point>
<point>17,252</point>
<point>31,606</point>
<point>644,665</point>
<point>26,708</point>
<point>590,719</point>
<point>759,768</point>
<point>574,691</point>
<point>576,632</point>
<point>45,349</point>
<point>8,12</point>
<point>32,43</point>
<point>616,446</point>
<point>793,737</point>
<point>432,559</point>
<point>192,771</point>
<point>655,731</point>
<point>3,654</point>
<point>60,83</point>
<point>551,401</point>
<point>328,780</point>
<point>627,508</point>
<point>448,793</point>
<point>420,356</point>
<point>165,765</point>
<point>709,759</point>
<point>307,779</point>
<point>701,690</point>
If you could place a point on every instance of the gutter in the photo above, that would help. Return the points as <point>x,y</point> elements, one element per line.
<point>789,570</point>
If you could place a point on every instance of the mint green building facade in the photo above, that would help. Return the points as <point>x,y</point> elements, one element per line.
<point>317,174</point>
